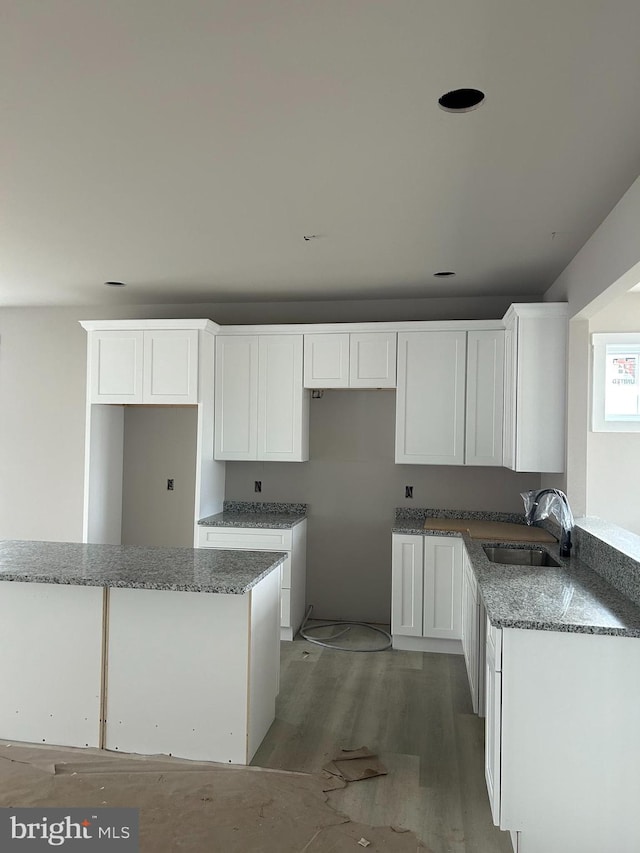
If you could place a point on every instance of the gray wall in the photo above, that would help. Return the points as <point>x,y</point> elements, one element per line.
<point>352,486</point>
<point>352,483</point>
<point>42,391</point>
<point>159,443</point>
<point>613,469</point>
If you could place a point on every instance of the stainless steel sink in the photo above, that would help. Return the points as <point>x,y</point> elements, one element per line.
<point>520,556</point>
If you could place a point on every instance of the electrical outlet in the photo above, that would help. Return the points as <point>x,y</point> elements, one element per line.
<point>257,485</point>
<point>170,484</point>
<point>408,491</point>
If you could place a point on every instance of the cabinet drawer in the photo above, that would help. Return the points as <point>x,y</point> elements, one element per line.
<point>245,538</point>
<point>494,647</point>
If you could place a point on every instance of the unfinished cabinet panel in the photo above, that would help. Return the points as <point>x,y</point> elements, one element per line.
<point>157,702</point>
<point>562,739</point>
<point>51,662</point>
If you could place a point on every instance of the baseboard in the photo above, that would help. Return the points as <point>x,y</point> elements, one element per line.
<point>286,634</point>
<point>427,644</point>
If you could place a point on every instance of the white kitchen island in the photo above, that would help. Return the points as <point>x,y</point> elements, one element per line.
<point>147,650</point>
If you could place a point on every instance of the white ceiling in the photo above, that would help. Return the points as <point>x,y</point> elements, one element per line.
<point>187,146</point>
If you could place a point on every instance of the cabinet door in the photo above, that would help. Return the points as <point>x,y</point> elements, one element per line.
<point>283,404</point>
<point>236,397</point>
<point>509,428</point>
<point>470,629</point>
<point>372,360</point>
<point>430,401</point>
<point>406,585</point>
<point>170,366</point>
<point>485,394</point>
<point>442,593</point>
<point>115,373</point>
<point>535,387</point>
<point>326,361</point>
<point>493,732</point>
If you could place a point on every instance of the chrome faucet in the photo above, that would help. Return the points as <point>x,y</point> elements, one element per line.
<point>545,502</point>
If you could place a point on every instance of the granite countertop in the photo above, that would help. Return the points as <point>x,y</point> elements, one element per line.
<point>134,567</point>
<point>256,514</point>
<point>572,598</point>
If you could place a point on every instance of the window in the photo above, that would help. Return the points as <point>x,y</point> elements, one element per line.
<point>616,382</point>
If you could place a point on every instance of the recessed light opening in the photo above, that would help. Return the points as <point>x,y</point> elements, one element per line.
<point>115,284</point>
<point>443,274</point>
<point>461,100</point>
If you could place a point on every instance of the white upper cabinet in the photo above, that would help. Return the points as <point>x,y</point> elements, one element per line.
<point>350,360</point>
<point>261,409</point>
<point>283,404</point>
<point>170,373</point>
<point>449,405</point>
<point>143,366</point>
<point>535,387</point>
<point>326,361</point>
<point>430,402</point>
<point>236,397</point>
<point>372,360</point>
<point>485,395</point>
<point>115,367</point>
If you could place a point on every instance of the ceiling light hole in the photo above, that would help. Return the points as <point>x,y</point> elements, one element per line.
<point>115,284</point>
<point>443,274</point>
<point>461,100</point>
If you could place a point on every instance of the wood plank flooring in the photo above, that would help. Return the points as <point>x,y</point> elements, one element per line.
<point>414,711</point>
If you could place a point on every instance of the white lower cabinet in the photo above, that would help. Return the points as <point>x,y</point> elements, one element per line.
<point>292,541</point>
<point>426,593</point>
<point>493,719</point>
<point>473,640</point>
<point>562,739</point>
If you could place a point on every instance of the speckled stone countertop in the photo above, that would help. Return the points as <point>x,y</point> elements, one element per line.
<point>250,514</point>
<point>411,521</point>
<point>133,567</point>
<point>573,598</point>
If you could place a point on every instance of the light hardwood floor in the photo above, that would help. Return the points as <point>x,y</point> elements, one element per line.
<point>414,711</point>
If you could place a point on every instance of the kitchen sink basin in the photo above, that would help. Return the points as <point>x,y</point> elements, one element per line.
<point>520,556</point>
